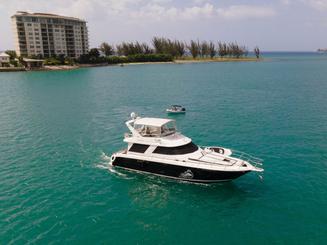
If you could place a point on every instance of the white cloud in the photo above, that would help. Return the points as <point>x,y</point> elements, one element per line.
<point>121,18</point>
<point>200,1</point>
<point>317,4</point>
<point>285,2</point>
<point>207,10</point>
<point>245,12</point>
<point>158,12</point>
<point>157,9</point>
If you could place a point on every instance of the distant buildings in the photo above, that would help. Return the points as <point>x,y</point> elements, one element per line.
<point>322,50</point>
<point>4,59</point>
<point>30,64</point>
<point>48,34</point>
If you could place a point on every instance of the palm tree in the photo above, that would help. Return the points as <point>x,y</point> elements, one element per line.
<point>106,49</point>
<point>222,49</point>
<point>212,49</point>
<point>159,45</point>
<point>257,52</point>
<point>194,48</point>
<point>146,49</point>
<point>119,49</point>
<point>204,49</point>
<point>180,48</point>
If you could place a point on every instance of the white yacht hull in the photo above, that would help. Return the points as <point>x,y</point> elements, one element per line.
<point>175,112</point>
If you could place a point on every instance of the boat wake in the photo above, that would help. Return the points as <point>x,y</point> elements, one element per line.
<point>105,164</point>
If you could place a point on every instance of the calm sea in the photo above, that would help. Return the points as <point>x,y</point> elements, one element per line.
<point>58,129</point>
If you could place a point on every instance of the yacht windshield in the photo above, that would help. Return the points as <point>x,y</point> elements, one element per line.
<point>168,128</point>
<point>148,131</point>
<point>152,131</point>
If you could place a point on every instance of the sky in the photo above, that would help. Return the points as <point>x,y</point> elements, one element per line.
<point>276,25</point>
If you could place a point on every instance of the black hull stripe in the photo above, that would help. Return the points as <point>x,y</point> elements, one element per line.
<point>177,172</point>
<point>170,177</point>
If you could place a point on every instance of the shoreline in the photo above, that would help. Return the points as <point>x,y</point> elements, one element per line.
<point>177,61</point>
<point>12,69</point>
<point>217,59</point>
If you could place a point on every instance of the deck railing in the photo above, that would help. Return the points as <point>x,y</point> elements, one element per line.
<point>255,161</point>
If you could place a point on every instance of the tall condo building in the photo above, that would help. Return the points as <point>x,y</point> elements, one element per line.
<point>49,34</point>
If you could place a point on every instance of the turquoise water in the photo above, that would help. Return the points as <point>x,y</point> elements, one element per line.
<point>57,130</point>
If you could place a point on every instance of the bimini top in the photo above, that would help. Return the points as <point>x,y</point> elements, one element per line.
<point>154,131</point>
<point>154,122</point>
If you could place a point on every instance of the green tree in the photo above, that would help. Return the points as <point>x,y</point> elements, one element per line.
<point>204,49</point>
<point>222,49</point>
<point>94,52</point>
<point>61,59</point>
<point>159,44</point>
<point>107,49</point>
<point>212,49</point>
<point>180,48</point>
<point>194,48</point>
<point>257,52</point>
<point>146,49</point>
<point>12,54</point>
<point>120,50</point>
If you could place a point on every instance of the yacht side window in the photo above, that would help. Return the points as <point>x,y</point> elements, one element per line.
<point>179,150</point>
<point>139,148</point>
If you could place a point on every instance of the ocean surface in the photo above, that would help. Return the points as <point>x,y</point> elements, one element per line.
<point>58,130</point>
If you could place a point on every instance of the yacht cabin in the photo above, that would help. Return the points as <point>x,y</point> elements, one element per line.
<point>158,132</point>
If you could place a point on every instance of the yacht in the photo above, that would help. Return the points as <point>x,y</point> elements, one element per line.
<point>156,147</point>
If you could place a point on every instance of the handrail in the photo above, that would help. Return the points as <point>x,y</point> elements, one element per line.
<point>255,161</point>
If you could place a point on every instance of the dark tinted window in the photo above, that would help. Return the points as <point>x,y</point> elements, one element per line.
<point>139,148</point>
<point>179,150</point>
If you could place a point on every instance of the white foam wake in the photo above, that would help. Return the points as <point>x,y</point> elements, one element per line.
<point>106,164</point>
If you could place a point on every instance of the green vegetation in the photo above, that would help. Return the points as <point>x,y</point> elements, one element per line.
<point>149,58</point>
<point>88,59</point>
<point>132,48</point>
<point>257,52</point>
<point>58,60</point>
<point>174,48</point>
<point>139,58</point>
<point>161,50</point>
<point>13,58</point>
<point>107,49</point>
<point>12,54</point>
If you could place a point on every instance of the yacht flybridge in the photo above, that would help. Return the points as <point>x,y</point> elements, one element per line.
<point>156,147</point>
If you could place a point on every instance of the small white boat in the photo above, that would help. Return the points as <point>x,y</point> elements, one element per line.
<point>176,109</point>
